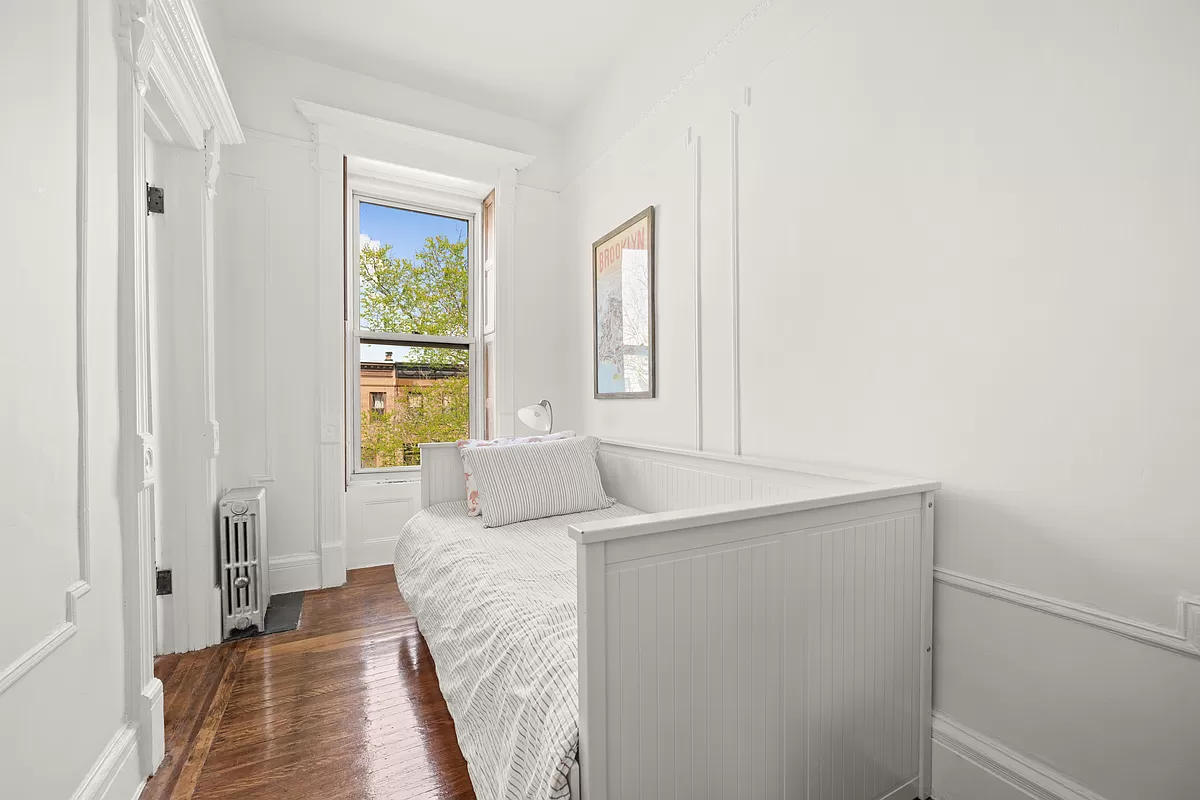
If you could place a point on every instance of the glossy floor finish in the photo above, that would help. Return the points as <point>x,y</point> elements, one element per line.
<point>347,706</point>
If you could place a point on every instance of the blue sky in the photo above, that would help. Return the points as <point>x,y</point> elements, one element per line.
<point>405,231</point>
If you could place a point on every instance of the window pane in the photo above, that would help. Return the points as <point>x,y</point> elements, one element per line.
<point>425,398</point>
<point>413,272</point>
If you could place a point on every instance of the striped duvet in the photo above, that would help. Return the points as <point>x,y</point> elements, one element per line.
<point>497,607</point>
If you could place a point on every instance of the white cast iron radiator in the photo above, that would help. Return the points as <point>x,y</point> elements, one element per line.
<point>242,530</point>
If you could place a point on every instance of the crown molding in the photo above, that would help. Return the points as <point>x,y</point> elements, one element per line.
<point>170,52</point>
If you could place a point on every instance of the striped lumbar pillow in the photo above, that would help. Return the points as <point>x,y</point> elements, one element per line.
<point>463,444</point>
<point>531,481</point>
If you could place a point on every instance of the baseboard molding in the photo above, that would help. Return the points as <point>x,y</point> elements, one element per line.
<point>214,616</point>
<point>152,732</point>
<point>115,775</point>
<point>295,573</point>
<point>906,792</point>
<point>993,760</point>
<point>333,564</point>
<point>1184,639</point>
<point>372,553</point>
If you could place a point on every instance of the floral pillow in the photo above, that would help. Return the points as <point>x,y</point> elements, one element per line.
<point>463,444</point>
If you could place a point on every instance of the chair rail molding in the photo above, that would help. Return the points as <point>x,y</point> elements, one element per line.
<point>1031,777</point>
<point>1184,639</point>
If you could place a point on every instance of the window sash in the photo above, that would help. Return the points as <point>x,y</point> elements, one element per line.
<point>355,427</point>
<point>367,336</point>
<point>359,336</point>
<point>357,198</point>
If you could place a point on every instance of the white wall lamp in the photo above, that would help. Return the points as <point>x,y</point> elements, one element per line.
<point>539,416</point>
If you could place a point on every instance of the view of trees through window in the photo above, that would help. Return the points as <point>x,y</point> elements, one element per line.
<point>413,278</point>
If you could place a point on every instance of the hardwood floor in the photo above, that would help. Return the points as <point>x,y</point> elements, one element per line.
<point>347,706</point>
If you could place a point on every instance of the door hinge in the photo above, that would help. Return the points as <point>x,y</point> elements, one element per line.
<point>154,199</point>
<point>162,582</point>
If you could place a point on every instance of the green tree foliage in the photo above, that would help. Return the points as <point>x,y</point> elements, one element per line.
<point>426,294</point>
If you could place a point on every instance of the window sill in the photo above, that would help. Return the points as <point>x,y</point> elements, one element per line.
<point>380,479</point>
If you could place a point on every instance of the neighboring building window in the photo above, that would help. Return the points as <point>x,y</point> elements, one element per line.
<point>411,304</point>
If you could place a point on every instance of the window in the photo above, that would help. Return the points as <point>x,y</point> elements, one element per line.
<point>411,328</point>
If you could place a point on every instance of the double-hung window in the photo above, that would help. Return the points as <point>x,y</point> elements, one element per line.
<point>411,329</point>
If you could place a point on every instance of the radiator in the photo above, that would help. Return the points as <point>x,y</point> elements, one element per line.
<point>245,589</point>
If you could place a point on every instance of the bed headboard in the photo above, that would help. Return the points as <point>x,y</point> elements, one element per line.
<point>651,478</point>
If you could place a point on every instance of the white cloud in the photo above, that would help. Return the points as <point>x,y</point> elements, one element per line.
<point>367,241</point>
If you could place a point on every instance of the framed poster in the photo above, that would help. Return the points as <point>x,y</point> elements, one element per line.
<point>623,310</point>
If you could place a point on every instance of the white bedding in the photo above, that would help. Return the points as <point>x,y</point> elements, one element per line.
<point>498,608</point>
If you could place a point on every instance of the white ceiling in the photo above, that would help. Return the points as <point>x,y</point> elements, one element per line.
<point>533,59</point>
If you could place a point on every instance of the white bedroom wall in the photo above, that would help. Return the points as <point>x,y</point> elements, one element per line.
<point>545,309</point>
<point>61,644</point>
<point>267,266</point>
<point>967,250</point>
<point>264,84</point>
<point>265,290</point>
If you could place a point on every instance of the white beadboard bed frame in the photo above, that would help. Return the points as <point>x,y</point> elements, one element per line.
<point>763,630</point>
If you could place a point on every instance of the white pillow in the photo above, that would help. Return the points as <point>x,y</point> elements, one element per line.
<point>463,444</point>
<point>531,481</point>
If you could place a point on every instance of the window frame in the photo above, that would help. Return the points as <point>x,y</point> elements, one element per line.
<point>426,201</point>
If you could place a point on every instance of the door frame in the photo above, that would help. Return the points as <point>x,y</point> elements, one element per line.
<point>167,76</point>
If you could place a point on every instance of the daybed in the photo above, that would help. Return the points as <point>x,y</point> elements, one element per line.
<point>731,628</point>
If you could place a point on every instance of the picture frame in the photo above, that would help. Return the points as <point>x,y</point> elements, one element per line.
<point>623,311</point>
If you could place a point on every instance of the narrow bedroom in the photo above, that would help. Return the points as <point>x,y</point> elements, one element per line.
<point>724,399</point>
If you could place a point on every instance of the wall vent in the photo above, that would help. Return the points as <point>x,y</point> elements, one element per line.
<point>242,531</point>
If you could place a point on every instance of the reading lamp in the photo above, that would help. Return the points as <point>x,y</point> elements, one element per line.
<point>539,416</point>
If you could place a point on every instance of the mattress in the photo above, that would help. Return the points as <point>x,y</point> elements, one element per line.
<point>498,609</point>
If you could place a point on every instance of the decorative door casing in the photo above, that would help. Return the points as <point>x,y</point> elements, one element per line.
<point>162,45</point>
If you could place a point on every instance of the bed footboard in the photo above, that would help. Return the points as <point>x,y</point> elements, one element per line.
<point>759,651</point>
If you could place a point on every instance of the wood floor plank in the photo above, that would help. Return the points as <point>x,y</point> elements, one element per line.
<point>190,773</point>
<point>346,706</point>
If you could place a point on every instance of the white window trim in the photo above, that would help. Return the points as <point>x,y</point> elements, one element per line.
<point>372,188</point>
